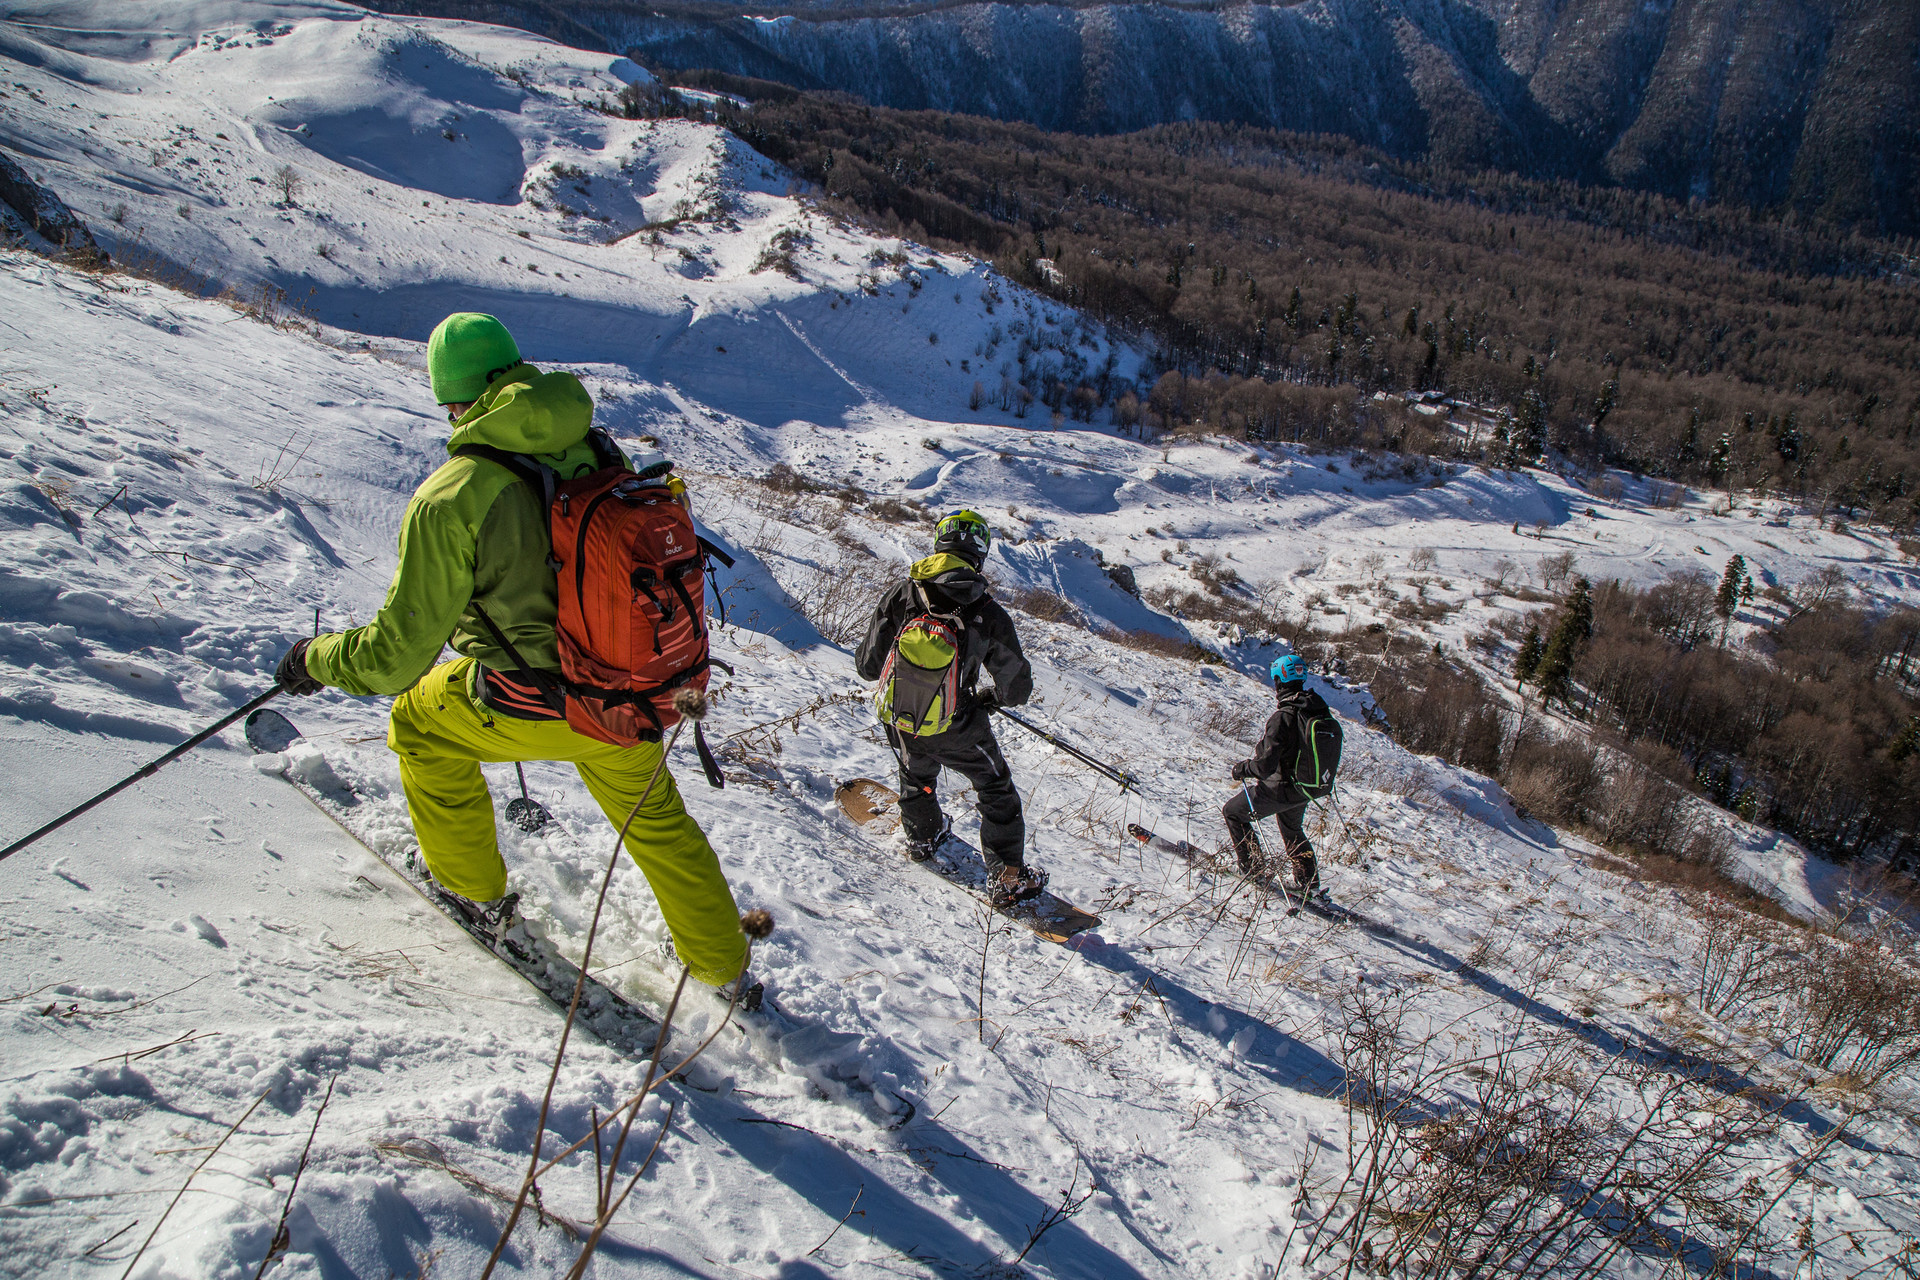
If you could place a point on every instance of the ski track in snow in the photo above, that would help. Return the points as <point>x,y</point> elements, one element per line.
<point>184,487</point>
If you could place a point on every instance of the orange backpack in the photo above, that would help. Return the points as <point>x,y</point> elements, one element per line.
<point>632,626</point>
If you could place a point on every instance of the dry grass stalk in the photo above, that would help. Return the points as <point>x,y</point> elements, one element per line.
<point>694,708</point>
<point>1068,1206</point>
<point>212,1151</point>
<point>764,738</point>
<point>281,1238</point>
<point>1533,1154</point>
<point>429,1155</point>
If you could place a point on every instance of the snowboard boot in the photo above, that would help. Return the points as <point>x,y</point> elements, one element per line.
<point>491,919</point>
<point>1015,883</point>
<point>922,850</point>
<point>1305,877</point>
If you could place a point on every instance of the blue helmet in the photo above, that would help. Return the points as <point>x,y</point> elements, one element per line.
<point>1288,668</point>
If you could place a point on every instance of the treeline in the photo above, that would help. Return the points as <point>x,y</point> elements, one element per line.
<point>1817,735</point>
<point>1701,344</point>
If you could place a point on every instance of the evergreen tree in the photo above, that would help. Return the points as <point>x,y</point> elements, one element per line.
<point>1604,402</point>
<point>1555,672</point>
<point>1909,739</point>
<point>1721,461</point>
<point>1528,660</point>
<point>1689,451</point>
<point>1580,610</point>
<point>1727,600</point>
<point>1529,433</point>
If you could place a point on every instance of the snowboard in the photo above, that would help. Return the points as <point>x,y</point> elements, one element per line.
<point>874,807</point>
<point>1317,903</point>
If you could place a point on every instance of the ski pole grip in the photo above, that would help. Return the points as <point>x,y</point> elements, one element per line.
<point>144,771</point>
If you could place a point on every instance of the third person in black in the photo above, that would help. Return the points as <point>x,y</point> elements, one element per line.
<point>1272,782</point>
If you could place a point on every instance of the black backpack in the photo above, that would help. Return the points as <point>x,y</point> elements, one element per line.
<point>1319,759</point>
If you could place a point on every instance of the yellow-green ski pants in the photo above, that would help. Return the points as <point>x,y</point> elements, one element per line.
<point>441,735</point>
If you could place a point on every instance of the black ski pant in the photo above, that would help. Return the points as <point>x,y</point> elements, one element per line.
<point>968,748</point>
<point>1285,804</point>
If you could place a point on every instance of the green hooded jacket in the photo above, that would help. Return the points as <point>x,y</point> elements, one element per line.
<point>473,532</point>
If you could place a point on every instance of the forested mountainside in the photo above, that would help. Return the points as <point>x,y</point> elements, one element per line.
<point>1809,105</point>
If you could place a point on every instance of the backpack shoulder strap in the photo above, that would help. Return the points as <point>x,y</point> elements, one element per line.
<point>926,606</point>
<point>605,452</point>
<point>552,689</point>
<point>540,479</point>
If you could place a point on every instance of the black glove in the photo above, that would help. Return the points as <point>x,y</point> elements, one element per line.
<point>986,699</point>
<point>291,675</point>
<point>1242,771</point>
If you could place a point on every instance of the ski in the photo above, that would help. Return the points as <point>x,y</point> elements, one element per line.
<point>1160,844</point>
<point>831,1059</point>
<point>611,1017</point>
<point>874,807</point>
<point>1318,902</point>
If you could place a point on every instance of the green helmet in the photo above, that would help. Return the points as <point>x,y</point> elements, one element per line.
<point>964,534</point>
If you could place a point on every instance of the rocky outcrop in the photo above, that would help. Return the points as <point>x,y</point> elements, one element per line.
<point>45,213</point>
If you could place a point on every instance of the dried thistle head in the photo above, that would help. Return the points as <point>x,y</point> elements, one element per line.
<point>691,703</point>
<point>757,923</point>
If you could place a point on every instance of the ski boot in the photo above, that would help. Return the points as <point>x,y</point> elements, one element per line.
<point>1251,859</point>
<point>1304,879</point>
<point>923,850</point>
<point>1015,883</point>
<point>491,919</point>
<point>752,993</point>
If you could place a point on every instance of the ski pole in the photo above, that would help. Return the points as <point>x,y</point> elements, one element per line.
<point>1285,895</point>
<point>143,772</point>
<point>1126,780</point>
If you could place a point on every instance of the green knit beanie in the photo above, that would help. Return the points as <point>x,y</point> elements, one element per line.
<point>464,349</point>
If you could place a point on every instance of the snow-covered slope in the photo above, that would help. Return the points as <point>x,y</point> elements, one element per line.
<point>185,486</point>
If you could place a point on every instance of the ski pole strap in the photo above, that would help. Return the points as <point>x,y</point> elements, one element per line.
<point>143,772</point>
<point>1126,780</point>
<point>712,552</point>
<point>715,778</point>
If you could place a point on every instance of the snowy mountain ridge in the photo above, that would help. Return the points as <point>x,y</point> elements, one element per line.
<point>1680,98</point>
<point>186,486</point>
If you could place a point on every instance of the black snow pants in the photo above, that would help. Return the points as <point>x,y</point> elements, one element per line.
<point>1285,804</point>
<point>968,748</point>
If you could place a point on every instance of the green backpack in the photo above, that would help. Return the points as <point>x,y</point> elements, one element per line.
<point>920,685</point>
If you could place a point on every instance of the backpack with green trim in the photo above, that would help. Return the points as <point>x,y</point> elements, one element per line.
<point>1319,758</point>
<point>920,685</point>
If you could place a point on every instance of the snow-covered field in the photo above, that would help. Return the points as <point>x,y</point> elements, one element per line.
<point>185,487</point>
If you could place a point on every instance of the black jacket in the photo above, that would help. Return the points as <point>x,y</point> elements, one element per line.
<point>1286,733</point>
<point>987,637</point>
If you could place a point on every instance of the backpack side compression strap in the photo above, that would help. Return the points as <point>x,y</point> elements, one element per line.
<point>552,688</point>
<point>555,690</point>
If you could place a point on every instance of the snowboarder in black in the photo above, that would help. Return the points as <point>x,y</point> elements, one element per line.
<point>1285,775</point>
<point>928,641</point>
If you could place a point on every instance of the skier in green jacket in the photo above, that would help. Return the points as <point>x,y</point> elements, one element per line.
<point>477,535</point>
